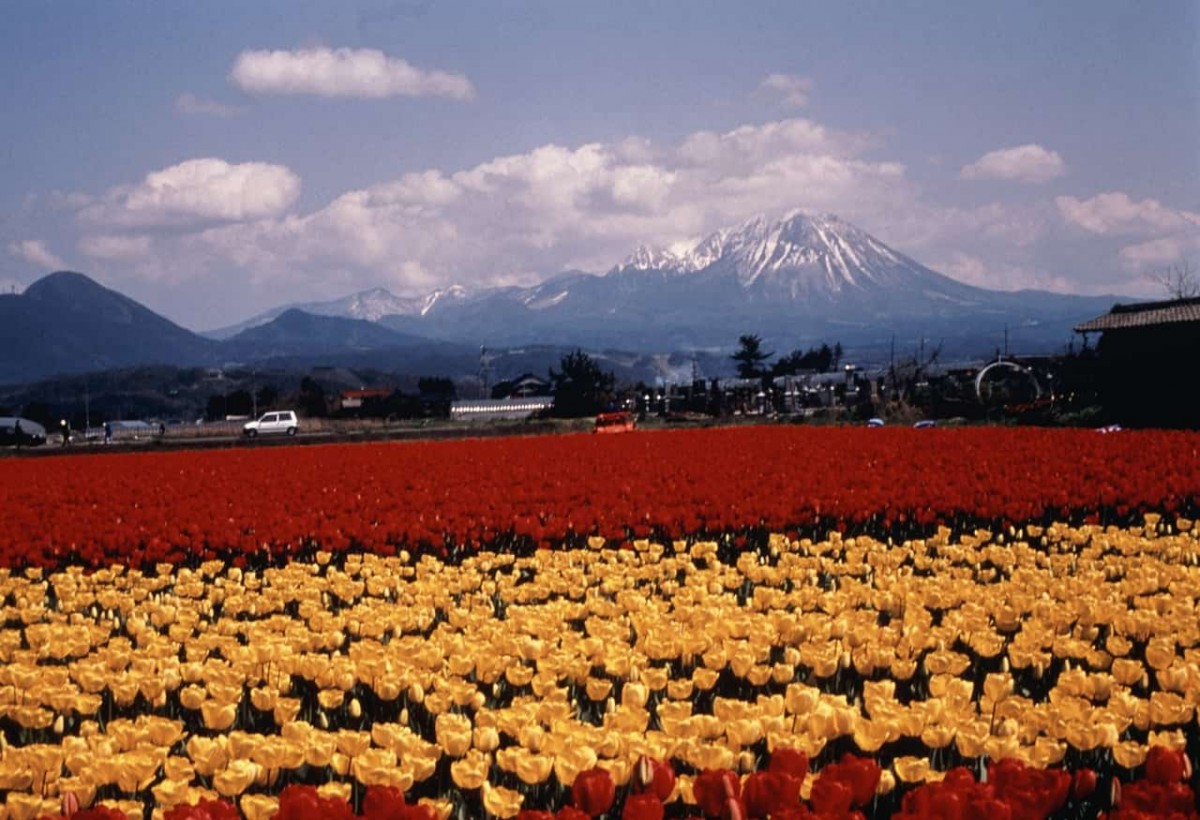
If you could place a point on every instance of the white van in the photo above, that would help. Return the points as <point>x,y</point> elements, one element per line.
<point>277,421</point>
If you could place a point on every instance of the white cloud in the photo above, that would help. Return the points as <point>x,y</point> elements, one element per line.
<point>1164,235</point>
<point>1024,163</point>
<point>1116,213</point>
<point>1000,276</point>
<point>1160,253</point>
<point>794,90</point>
<point>520,217</point>
<point>342,72</point>
<point>196,191</point>
<point>115,247</point>
<point>35,252</point>
<point>188,103</point>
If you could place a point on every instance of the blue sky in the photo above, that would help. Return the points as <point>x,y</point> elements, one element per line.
<point>215,159</point>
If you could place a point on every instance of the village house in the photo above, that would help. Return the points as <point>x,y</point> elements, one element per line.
<point>1149,362</point>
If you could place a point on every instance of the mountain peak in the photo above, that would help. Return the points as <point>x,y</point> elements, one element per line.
<point>62,283</point>
<point>648,258</point>
<point>796,254</point>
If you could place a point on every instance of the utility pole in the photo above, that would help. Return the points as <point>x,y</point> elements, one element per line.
<point>484,373</point>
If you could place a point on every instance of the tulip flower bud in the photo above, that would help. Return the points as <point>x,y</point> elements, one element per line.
<point>887,782</point>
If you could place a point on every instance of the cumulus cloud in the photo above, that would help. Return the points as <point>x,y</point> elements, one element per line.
<point>1155,253</point>
<point>519,217</point>
<point>1001,276</point>
<point>197,191</point>
<point>793,90</point>
<point>1116,213</point>
<point>1024,163</point>
<point>343,72</point>
<point>35,252</point>
<point>115,247</point>
<point>1163,235</point>
<point>188,103</point>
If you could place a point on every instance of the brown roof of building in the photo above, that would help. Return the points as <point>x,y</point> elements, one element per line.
<point>367,393</point>
<point>1145,314</point>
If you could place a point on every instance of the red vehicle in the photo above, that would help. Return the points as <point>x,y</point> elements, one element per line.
<point>617,422</point>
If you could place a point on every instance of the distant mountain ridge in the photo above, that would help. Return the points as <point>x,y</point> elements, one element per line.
<point>369,305</point>
<point>66,323</point>
<point>796,281</point>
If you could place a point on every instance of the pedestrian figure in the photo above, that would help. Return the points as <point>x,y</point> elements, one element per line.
<point>108,432</point>
<point>17,433</point>
<point>66,432</point>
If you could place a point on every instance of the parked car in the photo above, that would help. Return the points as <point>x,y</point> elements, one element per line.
<point>20,432</point>
<point>277,421</point>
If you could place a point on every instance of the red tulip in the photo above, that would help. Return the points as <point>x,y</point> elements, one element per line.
<point>643,806</point>
<point>570,813</point>
<point>656,777</point>
<point>1164,765</point>
<point>789,761</point>
<point>713,787</point>
<point>768,792</point>
<point>593,791</point>
<point>1083,784</point>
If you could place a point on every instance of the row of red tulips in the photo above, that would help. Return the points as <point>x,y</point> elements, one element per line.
<point>849,789</point>
<point>445,497</point>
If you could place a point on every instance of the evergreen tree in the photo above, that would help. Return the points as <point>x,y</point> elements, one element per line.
<point>750,358</point>
<point>581,388</point>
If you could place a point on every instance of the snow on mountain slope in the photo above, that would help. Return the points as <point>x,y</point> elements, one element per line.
<point>797,279</point>
<point>798,256</point>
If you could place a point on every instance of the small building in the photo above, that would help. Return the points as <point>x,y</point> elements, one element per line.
<point>1149,362</point>
<point>495,409</point>
<point>522,386</point>
<point>354,399</point>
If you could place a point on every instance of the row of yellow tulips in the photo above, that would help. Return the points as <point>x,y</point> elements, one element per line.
<point>506,673</point>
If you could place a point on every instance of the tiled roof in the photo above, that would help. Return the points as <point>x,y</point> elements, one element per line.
<point>1146,314</point>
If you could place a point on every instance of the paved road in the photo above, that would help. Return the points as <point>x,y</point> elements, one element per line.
<point>194,439</point>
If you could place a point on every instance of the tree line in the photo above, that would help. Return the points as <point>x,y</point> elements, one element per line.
<point>752,360</point>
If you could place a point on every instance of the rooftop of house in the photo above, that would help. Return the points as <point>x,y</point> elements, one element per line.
<point>1144,314</point>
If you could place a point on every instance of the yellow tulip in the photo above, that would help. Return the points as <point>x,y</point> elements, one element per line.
<point>470,771</point>
<point>258,806</point>
<point>375,767</point>
<point>235,778</point>
<point>218,716</point>
<point>501,802</point>
<point>453,733</point>
<point>21,806</point>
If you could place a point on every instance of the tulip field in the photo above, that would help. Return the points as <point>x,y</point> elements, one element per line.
<point>769,622</point>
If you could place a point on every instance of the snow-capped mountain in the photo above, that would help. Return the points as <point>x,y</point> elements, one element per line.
<point>815,253</point>
<point>370,305</point>
<point>647,258</point>
<point>796,280</point>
